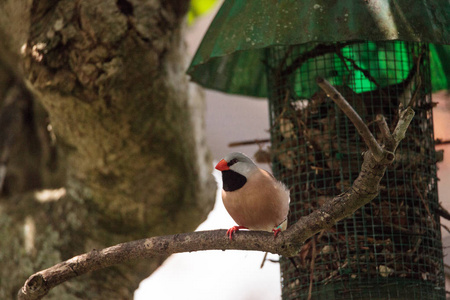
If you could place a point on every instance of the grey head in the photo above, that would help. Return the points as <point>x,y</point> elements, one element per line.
<point>240,163</point>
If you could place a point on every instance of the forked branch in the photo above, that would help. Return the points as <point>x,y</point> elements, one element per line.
<point>288,243</point>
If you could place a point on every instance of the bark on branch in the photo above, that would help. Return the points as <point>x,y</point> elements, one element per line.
<point>288,243</point>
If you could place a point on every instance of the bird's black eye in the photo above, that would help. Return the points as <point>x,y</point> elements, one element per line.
<point>232,162</point>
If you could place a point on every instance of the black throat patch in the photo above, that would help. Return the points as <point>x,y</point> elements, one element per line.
<point>232,180</point>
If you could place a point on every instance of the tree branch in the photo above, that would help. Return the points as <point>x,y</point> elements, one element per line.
<point>384,128</point>
<point>362,128</point>
<point>441,211</point>
<point>250,142</point>
<point>287,243</point>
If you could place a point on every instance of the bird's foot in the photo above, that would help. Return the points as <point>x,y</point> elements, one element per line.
<point>276,230</point>
<point>233,230</point>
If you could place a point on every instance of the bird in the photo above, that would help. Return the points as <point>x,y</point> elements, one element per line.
<point>252,196</point>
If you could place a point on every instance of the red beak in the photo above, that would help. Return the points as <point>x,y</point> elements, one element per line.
<point>222,165</point>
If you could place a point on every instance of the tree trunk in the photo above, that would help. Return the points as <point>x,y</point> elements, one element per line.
<point>122,145</point>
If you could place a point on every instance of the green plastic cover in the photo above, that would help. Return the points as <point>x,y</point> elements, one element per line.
<point>231,57</point>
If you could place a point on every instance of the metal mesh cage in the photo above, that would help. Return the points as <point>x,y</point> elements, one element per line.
<point>391,248</point>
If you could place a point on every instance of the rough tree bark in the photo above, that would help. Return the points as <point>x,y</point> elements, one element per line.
<point>115,134</point>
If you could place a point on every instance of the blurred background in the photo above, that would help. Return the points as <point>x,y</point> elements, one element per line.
<point>237,274</point>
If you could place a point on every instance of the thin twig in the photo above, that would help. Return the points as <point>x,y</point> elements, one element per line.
<point>263,261</point>
<point>441,211</point>
<point>319,50</point>
<point>362,128</point>
<point>410,252</point>
<point>414,96</point>
<point>441,142</point>
<point>445,227</point>
<point>313,262</point>
<point>311,271</point>
<point>248,142</point>
<point>356,67</point>
<point>405,118</point>
<point>424,202</point>
<point>335,272</point>
<point>384,129</point>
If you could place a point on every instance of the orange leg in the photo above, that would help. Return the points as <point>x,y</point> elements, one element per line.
<point>233,230</point>
<point>276,230</point>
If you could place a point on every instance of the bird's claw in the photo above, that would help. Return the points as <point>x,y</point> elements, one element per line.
<point>233,230</point>
<point>276,230</point>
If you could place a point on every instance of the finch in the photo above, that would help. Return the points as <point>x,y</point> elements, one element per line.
<point>252,196</point>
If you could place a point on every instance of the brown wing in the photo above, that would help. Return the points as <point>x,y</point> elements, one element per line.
<point>261,204</point>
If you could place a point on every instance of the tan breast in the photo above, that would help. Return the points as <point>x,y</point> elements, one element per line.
<point>261,204</point>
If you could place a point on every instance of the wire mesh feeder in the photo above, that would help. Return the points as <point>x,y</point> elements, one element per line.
<point>391,248</point>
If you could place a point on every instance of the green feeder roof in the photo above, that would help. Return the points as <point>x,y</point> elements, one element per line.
<point>231,57</point>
